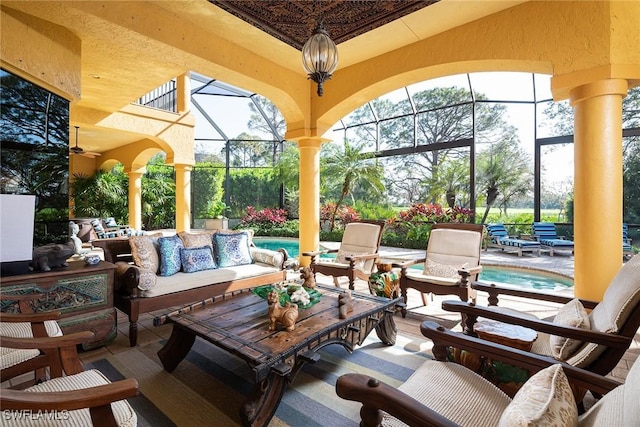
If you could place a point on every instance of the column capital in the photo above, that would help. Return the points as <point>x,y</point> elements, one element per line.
<point>135,170</point>
<point>182,167</point>
<point>598,88</point>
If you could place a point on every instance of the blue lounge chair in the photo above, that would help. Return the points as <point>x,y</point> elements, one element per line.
<point>627,251</point>
<point>499,238</point>
<point>545,233</point>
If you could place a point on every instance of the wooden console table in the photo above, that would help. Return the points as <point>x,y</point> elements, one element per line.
<point>83,294</point>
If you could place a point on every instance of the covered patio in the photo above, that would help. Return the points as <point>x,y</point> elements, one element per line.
<point>104,56</point>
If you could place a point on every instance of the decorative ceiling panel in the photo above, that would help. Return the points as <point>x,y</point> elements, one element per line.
<point>293,22</point>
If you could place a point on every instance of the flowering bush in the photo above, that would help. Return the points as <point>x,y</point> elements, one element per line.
<point>345,214</point>
<point>265,217</point>
<point>411,228</point>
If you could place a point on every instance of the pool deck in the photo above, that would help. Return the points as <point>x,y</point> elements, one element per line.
<point>561,263</point>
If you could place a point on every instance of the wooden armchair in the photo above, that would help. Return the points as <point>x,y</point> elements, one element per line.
<point>594,341</point>
<point>26,324</point>
<point>77,398</point>
<point>448,394</point>
<point>452,259</point>
<point>356,256</point>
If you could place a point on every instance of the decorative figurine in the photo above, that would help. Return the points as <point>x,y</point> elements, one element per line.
<point>300,296</point>
<point>306,274</point>
<point>345,304</point>
<point>51,255</point>
<point>74,229</point>
<point>286,316</point>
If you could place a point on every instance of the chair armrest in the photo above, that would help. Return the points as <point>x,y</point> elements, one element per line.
<point>494,291</point>
<point>406,264</point>
<point>127,277</point>
<point>42,343</point>
<point>361,257</point>
<point>443,338</point>
<point>69,400</point>
<point>376,396</point>
<point>472,312</point>
<point>470,271</point>
<point>30,317</point>
<point>318,253</point>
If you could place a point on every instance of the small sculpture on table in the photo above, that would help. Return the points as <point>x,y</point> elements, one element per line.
<point>306,274</point>
<point>74,229</point>
<point>286,316</point>
<point>345,304</point>
<point>51,255</point>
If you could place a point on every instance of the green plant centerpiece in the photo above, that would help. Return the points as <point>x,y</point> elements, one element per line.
<point>291,291</point>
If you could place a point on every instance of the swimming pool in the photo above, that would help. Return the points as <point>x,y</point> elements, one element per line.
<point>520,277</point>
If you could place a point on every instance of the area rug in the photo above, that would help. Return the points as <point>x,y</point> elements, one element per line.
<point>209,385</point>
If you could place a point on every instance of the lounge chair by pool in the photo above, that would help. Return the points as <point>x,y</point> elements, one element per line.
<point>499,238</point>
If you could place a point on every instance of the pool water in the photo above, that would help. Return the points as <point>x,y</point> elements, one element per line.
<point>519,277</point>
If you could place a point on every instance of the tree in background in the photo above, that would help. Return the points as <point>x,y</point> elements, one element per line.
<point>503,170</point>
<point>347,167</point>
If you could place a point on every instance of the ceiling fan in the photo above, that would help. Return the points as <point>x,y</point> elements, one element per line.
<point>80,151</point>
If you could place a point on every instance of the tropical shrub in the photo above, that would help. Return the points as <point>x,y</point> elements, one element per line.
<point>264,221</point>
<point>345,214</point>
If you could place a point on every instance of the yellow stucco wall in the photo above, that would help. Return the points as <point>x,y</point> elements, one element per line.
<point>38,51</point>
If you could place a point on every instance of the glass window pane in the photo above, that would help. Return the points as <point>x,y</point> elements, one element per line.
<point>502,86</point>
<point>631,109</point>
<point>396,133</point>
<point>360,115</point>
<point>554,119</point>
<point>393,104</point>
<point>445,125</point>
<point>364,135</point>
<point>427,95</point>
<point>556,179</point>
<point>543,87</point>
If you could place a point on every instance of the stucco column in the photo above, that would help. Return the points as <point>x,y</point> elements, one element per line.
<point>183,92</point>
<point>309,196</point>
<point>597,185</point>
<point>183,197</point>
<point>135,197</point>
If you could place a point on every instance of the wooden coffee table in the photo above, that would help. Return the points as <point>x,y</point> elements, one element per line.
<point>237,322</point>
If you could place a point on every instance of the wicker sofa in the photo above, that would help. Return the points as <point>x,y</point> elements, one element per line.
<point>140,289</point>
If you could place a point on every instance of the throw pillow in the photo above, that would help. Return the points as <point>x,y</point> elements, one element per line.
<point>545,399</point>
<point>197,259</point>
<point>432,268</point>
<point>144,250</point>
<point>147,279</point>
<point>170,262</point>
<point>97,226</point>
<point>232,249</point>
<point>571,314</point>
<point>196,240</point>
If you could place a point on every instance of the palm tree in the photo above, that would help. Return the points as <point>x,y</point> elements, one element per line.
<point>503,169</point>
<point>352,168</point>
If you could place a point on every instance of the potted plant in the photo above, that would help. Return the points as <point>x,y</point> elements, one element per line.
<point>215,216</point>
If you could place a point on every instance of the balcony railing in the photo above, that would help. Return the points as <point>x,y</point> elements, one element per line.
<point>163,97</point>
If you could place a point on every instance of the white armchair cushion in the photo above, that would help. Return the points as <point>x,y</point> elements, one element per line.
<point>545,399</point>
<point>122,411</point>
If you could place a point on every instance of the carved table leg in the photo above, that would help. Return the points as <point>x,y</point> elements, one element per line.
<point>176,348</point>
<point>259,407</point>
<point>386,329</point>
